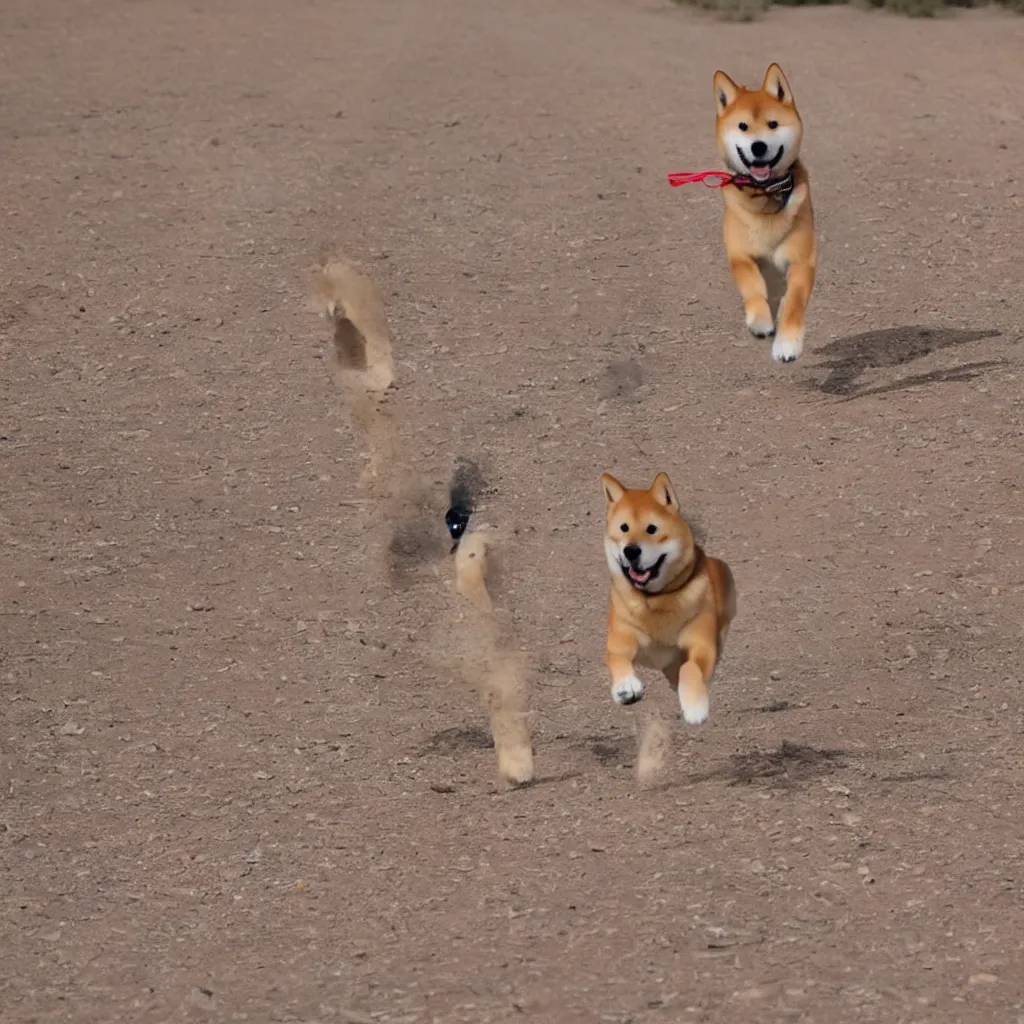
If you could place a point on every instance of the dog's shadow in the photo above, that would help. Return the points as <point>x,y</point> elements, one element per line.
<point>846,359</point>
<point>789,765</point>
<point>457,740</point>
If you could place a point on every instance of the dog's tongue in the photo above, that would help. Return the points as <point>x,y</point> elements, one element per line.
<point>760,173</point>
<point>639,577</point>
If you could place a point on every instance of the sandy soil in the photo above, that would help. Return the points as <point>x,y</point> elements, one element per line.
<point>241,778</point>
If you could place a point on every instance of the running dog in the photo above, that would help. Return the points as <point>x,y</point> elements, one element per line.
<point>769,222</point>
<point>671,605</point>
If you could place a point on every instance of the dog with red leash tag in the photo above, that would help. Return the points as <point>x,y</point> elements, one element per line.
<point>769,220</point>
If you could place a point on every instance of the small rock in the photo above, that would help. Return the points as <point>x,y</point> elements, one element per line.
<point>775,675</point>
<point>71,728</point>
<point>982,979</point>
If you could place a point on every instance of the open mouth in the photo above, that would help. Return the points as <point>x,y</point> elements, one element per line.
<point>761,170</point>
<point>641,577</point>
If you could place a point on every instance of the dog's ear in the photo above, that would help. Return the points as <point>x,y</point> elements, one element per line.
<point>664,493</point>
<point>775,85</point>
<point>726,91</point>
<point>613,490</point>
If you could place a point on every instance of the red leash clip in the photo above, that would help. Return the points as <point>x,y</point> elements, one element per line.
<point>686,178</point>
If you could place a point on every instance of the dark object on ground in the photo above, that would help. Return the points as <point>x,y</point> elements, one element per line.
<point>467,483</point>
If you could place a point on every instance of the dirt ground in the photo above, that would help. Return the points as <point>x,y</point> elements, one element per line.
<point>240,781</point>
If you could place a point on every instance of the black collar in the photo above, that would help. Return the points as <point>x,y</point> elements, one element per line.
<point>780,190</point>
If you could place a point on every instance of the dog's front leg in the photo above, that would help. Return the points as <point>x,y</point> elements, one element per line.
<point>754,292</point>
<point>788,341</point>
<point>621,652</point>
<point>699,641</point>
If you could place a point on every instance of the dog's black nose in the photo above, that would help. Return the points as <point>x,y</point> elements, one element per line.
<point>758,149</point>
<point>632,552</point>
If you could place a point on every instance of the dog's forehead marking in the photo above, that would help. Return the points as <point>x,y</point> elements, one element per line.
<point>644,503</point>
<point>636,522</point>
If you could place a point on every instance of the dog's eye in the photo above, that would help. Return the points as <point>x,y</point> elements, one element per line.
<point>624,527</point>
<point>773,125</point>
<point>743,126</point>
<point>652,529</point>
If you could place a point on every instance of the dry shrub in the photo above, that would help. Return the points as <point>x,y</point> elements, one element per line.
<point>730,10</point>
<point>911,8</point>
<point>748,10</point>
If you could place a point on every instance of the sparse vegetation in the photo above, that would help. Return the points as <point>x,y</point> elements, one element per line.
<point>731,10</point>
<point>748,10</point>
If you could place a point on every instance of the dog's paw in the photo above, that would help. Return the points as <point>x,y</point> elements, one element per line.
<point>695,706</point>
<point>628,690</point>
<point>760,323</point>
<point>787,346</point>
<point>515,763</point>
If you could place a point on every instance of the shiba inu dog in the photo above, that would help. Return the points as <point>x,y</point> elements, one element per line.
<point>671,605</point>
<point>769,221</point>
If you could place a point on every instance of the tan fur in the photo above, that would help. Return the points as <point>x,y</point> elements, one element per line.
<point>471,570</point>
<point>680,627</point>
<point>653,751</point>
<point>761,231</point>
<point>489,663</point>
<point>363,369</point>
<point>362,342</point>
